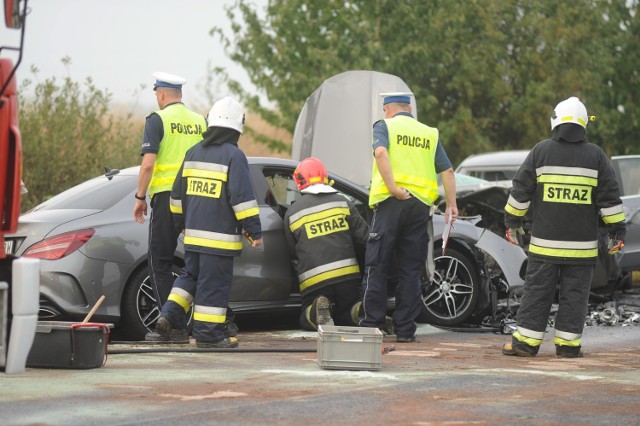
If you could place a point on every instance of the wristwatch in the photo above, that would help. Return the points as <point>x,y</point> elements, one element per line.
<point>142,198</point>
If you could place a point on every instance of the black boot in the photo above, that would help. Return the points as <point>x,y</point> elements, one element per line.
<point>517,348</point>
<point>165,333</point>
<point>563,351</point>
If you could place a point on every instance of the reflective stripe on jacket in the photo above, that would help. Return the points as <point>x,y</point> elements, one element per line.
<point>321,230</point>
<point>213,200</point>
<point>569,187</point>
<point>182,129</point>
<point>412,150</point>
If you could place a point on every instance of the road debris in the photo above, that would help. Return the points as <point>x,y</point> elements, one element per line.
<point>622,310</point>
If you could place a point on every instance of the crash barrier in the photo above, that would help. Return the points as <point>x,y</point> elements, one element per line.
<point>349,348</point>
<point>25,297</point>
<point>60,344</point>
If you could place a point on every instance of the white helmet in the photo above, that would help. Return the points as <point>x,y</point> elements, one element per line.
<point>570,111</point>
<point>227,112</point>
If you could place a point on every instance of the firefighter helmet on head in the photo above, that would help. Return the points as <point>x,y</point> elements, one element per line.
<point>227,112</point>
<point>570,111</point>
<point>310,171</point>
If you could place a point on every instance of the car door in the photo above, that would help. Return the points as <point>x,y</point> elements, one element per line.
<point>264,276</point>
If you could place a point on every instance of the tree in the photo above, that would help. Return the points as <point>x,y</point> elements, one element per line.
<point>487,73</point>
<point>618,116</point>
<point>69,134</point>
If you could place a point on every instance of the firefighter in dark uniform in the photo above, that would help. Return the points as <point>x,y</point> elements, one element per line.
<point>168,134</point>
<point>408,158</point>
<point>569,186</point>
<point>212,201</point>
<point>321,230</point>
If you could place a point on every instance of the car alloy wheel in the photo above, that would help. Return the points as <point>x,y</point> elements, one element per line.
<point>451,297</point>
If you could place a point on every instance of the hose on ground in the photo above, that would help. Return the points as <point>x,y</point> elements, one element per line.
<point>165,349</point>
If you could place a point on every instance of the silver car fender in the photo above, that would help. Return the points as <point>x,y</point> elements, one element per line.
<point>508,256</point>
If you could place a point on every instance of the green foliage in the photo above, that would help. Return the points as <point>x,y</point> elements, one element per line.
<point>69,134</point>
<point>487,73</point>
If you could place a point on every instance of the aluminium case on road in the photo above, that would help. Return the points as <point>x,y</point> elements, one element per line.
<point>336,122</point>
<point>349,348</point>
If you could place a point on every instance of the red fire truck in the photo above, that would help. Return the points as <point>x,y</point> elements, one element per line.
<point>10,141</point>
<point>19,277</point>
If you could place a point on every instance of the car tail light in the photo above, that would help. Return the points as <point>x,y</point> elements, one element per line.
<point>59,246</point>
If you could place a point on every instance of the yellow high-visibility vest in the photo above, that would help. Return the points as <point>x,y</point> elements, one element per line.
<point>412,151</point>
<point>182,130</point>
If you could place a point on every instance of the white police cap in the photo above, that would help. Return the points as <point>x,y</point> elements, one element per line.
<point>164,79</point>
<point>402,97</point>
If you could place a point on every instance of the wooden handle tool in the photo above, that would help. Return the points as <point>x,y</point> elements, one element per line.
<point>94,309</point>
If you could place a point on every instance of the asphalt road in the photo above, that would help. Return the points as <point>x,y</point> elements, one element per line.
<point>446,378</point>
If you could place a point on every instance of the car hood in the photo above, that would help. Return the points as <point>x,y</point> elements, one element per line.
<point>487,203</point>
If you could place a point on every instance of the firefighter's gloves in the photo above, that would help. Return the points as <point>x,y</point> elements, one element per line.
<point>512,235</point>
<point>615,245</point>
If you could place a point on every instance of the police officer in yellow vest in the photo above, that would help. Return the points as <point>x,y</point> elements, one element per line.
<point>168,134</point>
<point>408,158</point>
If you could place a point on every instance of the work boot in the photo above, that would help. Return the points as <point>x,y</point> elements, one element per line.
<point>563,351</point>
<point>228,342</point>
<point>230,329</point>
<point>166,334</point>
<point>516,348</point>
<point>323,311</point>
<point>405,339</point>
<point>164,327</point>
<point>388,328</point>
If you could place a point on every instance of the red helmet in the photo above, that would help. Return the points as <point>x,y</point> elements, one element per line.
<point>310,171</point>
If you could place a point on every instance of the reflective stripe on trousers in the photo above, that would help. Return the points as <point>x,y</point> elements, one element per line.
<point>541,281</point>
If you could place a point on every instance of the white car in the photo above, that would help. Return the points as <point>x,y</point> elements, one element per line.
<point>493,166</point>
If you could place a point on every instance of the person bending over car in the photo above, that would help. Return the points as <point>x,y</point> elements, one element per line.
<point>321,230</point>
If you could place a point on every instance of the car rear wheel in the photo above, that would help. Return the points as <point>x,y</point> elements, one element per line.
<point>451,297</point>
<point>140,309</point>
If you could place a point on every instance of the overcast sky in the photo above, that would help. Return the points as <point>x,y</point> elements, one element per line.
<point>120,43</point>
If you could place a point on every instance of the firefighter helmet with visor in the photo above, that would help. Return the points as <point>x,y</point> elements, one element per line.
<point>310,171</point>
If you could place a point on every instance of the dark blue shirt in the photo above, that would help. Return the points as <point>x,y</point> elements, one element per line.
<point>381,138</point>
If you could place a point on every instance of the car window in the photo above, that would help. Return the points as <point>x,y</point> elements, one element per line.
<point>98,193</point>
<point>282,189</point>
<point>283,192</point>
<point>491,175</point>
<point>630,175</point>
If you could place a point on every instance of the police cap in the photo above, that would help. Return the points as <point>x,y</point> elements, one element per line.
<point>164,79</point>
<point>392,97</point>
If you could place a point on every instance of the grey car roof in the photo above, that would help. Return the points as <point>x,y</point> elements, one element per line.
<point>497,158</point>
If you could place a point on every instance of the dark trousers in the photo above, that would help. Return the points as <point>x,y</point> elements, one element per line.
<point>163,240</point>
<point>398,227</point>
<point>540,285</point>
<point>208,278</point>
<point>344,297</point>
